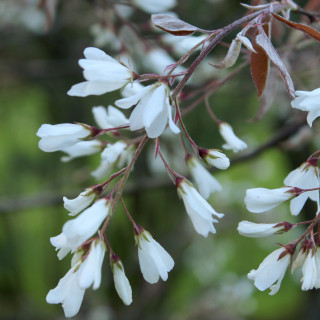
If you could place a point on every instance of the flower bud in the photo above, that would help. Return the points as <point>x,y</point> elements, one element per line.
<point>232,141</point>
<point>154,261</point>
<point>214,158</point>
<point>81,202</point>
<point>60,136</point>
<point>121,282</point>
<point>258,230</point>
<point>260,200</point>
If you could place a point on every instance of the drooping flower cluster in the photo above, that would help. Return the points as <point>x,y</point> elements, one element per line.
<point>156,106</point>
<point>93,208</point>
<point>301,184</point>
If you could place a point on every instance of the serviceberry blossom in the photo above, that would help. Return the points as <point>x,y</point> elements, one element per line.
<point>154,261</point>
<point>75,232</point>
<point>111,118</point>
<point>90,269</point>
<point>301,256</point>
<point>102,72</point>
<point>81,149</point>
<point>259,230</point>
<point>198,209</point>
<point>182,44</point>
<point>304,177</point>
<point>118,151</point>
<point>308,101</point>
<point>271,271</point>
<point>121,282</point>
<point>155,6</point>
<point>61,136</point>
<point>260,200</point>
<point>158,60</point>
<point>63,245</point>
<point>232,141</point>
<point>214,158</point>
<point>152,111</point>
<point>311,271</point>
<point>68,292</point>
<point>205,181</point>
<point>83,201</point>
<point>131,89</point>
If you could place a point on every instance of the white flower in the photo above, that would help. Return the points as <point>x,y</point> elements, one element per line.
<point>304,177</point>
<point>271,270</point>
<point>214,158</point>
<point>105,37</point>
<point>103,74</point>
<point>154,261</point>
<point>310,271</point>
<point>155,6</point>
<point>260,200</point>
<point>308,101</point>
<point>90,269</point>
<point>81,149</point>
<point>81,202</point>
<point>64,245</point>
<point>158,60</point>
<point>258,230</point>
<point>113,151</point>
<point>198,209</point>
<point>131,89</point>
<point>204,179</point>
<point>60,136</point>
<point>121,283</point>
<point>182,44</point>
<point>86,224</point>
<point>299,259</point>
<point>232,141</point>
<point>109,119</point>
<point>68,292</point>
<point>152,111</point>
<point>109,156</point>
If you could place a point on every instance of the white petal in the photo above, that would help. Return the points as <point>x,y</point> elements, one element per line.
<point>122,285</point>
<point>84,89</point>
<point>174,128</point>
<point>148,267</point>
<point>158,125</point>
<point>297,203</point>
<point>155,105</point>
<point>130,101</point>
<point>137,115</point>
<point>97,54</point>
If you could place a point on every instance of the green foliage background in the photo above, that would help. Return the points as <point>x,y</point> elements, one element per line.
<point>209,278</point>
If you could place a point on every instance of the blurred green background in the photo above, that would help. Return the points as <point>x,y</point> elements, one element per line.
<point>209,278</point>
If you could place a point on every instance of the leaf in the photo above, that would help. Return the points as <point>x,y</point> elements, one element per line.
<point>299,26</point>
<point>264,42</point>
<point>313,5</point>
<point>267,97</point>
<point>173,25</point>
<point>259,65</point>
<point>231,56</point>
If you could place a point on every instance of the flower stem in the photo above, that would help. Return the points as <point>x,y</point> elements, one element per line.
<point>122,182</point>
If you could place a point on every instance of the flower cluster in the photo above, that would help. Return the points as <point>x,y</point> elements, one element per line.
<point>84,235</point>
<point>120,138</point>
<point>301,184</point>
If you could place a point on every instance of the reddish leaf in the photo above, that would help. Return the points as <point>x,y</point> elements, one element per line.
<point>267,97</point>
<point>173,25</point>
<point>302,27</point>
<point>264,42</point>
<point>259,65</point>
<point>313,5</point>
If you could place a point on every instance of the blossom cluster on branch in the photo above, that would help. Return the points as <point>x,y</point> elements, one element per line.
<point>158,108</point>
